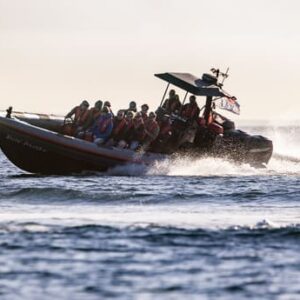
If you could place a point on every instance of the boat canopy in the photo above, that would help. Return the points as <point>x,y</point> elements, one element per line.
<point>192,84</point>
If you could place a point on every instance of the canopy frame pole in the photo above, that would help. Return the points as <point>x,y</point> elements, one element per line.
<point>208,109</point>
<point>163,98</point>
<point>184,97</point>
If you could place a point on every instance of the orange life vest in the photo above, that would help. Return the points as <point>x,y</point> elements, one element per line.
<point>80,116</point>
<point>165,128</point>
<point>190,111</point>
<point>144,116</point>
<point>95,113</point>
<point>120,126</point>
<point>152,127</point>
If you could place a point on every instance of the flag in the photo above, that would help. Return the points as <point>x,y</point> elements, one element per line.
<point>230,104</point>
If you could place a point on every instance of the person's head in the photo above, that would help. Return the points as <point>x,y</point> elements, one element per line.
<point>105,110</point>
<point>152,116</point>
<point>84,105</point>
<point>98,104</point>
<point>107,103</point>
<point>145,108</point>
<point>192,99</point>
<point>132,105</point>
<point>172,93</point>
<point>120,114</point>
<point>129,115</point>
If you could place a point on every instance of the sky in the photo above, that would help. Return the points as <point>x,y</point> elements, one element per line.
<point>54,54</point>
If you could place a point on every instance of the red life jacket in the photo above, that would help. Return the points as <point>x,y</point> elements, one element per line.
<point>120,127</point>
<point>190,110</point>
<point>144,116</point>
<point>129,125</point>
<point>174,105</point>
<point>165,128</point>
<point>95,113</point>
<point>80,116</point>
<point>138,126</point>
<point>153,128</point>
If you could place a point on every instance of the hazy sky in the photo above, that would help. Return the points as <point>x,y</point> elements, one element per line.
<point>55,53</point>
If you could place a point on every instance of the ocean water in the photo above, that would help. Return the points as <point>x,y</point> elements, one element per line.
<point>202,229</point>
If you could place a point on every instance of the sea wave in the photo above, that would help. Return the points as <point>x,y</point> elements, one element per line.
<point>261,229</point>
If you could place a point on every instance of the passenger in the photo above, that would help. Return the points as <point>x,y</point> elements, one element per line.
<point>80,114</point>
<point>128,131</point>
<point>108,105</point>
<point>151,130</point>
<point>102,127</point>
<point>191,111</point>
<point>163,143</point>
<point>132,107</point>
<point>138,131</point>
<point>144,112</point>
<point>119,129</point>
<point>165,128</point>
<point>172,104</point>
<point>94,113</point>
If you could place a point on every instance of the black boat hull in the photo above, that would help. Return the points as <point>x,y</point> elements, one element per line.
<point>37,150</point>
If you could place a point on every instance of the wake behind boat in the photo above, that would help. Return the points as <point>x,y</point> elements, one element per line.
<point>36,143</point>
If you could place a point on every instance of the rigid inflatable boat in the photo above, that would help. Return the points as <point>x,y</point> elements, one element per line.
<point>36,143</point>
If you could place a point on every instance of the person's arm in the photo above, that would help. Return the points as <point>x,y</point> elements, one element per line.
<point>71,113</point>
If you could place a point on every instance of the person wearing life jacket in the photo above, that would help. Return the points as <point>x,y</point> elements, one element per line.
<point>144,112</point>
<point>163,143</point>
<point>132,107</point>
<point>128,131</point>
<point>172,104</point>
<point>80,114</point>
<point>165,128</point>
<point>108,105</point>
<point>94,113</point>
<point>102,127</point>
<point>190,111</point>
<point>138,131</point>
<point>119,129</point>
<point>151,130</point>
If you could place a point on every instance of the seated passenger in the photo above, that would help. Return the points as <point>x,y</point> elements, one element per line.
<point>102,127</point>
<point>119,129</point>
<point>165,129</point>
<point>151,130</point>
<point>108,105</point>
<point>94,113</point>
<point>80,114</point>
<point>132,107</point>
<point>144,112</point>
<point>165,140</point>
<point>172,104</point>
<point>138,131</point>
<point>128,131</point>
<point>190,111</point>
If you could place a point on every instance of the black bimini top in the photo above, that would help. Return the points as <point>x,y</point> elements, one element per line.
<point>192,84</point>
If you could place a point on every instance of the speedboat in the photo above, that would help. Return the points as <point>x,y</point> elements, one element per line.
<point>36,142</point>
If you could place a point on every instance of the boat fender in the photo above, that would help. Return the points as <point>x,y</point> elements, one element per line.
<point>218,129</point>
